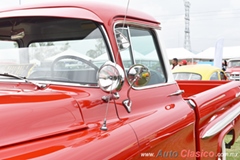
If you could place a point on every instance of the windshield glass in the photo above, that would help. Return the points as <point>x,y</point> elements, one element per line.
<point>187,76</point>
<point>74,56</point>
<point>235,63</point>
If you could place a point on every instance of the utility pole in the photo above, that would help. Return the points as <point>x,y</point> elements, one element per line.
<point>187,43</point>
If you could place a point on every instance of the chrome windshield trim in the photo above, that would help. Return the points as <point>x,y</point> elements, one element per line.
<point>49,82</point>
<point>108,42</point>
<point>66,84</point>
<point>222,123</point>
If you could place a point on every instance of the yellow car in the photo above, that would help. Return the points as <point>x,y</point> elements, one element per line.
<point>198,72</point>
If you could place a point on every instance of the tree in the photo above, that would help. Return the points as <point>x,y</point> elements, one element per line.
<point>43,50</point>
<point>99,49</point>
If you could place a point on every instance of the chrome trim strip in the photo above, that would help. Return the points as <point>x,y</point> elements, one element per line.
<point>108,42</point>
<point>222,123</point>
<point>138,24</point>
<point>65,84</point>
<point>50,83</point>
<point>12,80</point>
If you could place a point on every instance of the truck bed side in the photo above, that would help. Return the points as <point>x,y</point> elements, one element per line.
<point>192,87</point>
<point>216,105</point>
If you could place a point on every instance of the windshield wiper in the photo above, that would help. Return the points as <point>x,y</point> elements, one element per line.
<point>39,86</point>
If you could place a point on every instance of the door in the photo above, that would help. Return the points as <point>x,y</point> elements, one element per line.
<point>161,118</point>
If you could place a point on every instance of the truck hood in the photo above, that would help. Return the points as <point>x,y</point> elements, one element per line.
<point>233,70</point>
<point>33,113</point>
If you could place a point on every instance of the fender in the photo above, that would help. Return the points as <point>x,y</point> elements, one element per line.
<point>33,114</point>
<point>217,111</point>
<point>223,133</point>
<point>221,122</point>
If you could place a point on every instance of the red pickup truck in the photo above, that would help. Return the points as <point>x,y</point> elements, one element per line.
<point>233,69</point>
<point>84,80</point>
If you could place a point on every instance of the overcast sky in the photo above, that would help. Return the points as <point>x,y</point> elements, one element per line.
<point>209,20</point>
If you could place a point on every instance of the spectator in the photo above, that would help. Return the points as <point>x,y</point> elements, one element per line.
<point>184,62</point>
<point>174,63</point>
<point>224,65</point>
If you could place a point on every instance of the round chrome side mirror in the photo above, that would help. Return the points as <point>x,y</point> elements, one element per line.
<point>110,77</point>
<point>138,75</point>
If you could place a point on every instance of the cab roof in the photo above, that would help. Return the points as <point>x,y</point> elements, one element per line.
<point>74,9</point>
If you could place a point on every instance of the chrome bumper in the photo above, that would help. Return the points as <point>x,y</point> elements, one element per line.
<point>235,76</point>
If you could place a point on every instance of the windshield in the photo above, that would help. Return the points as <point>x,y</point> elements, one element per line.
<point>235,63</point>
<point>74,56</point>
<point>187,76</point>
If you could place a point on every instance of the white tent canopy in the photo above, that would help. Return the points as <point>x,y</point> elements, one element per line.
<point>124,55</point>
<point>228,52</point>
<point>179,53</point>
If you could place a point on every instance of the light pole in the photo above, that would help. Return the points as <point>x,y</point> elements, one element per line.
<point>187,43</point>
<point>20,2</point>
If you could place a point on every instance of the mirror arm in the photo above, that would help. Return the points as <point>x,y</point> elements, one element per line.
<point>106,99</point>
<point>128,103</point>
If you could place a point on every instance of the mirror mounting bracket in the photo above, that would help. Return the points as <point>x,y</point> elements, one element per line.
<point>110,97</point>
<point>128,105</point>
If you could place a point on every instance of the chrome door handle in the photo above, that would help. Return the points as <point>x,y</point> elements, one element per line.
<point>178,92</point>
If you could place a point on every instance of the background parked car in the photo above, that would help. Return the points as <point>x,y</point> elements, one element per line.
<point>233,69</point>
<point>198,72</point>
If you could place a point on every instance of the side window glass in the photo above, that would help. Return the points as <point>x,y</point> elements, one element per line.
<point>214,76</point>
<point>143,51</point>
